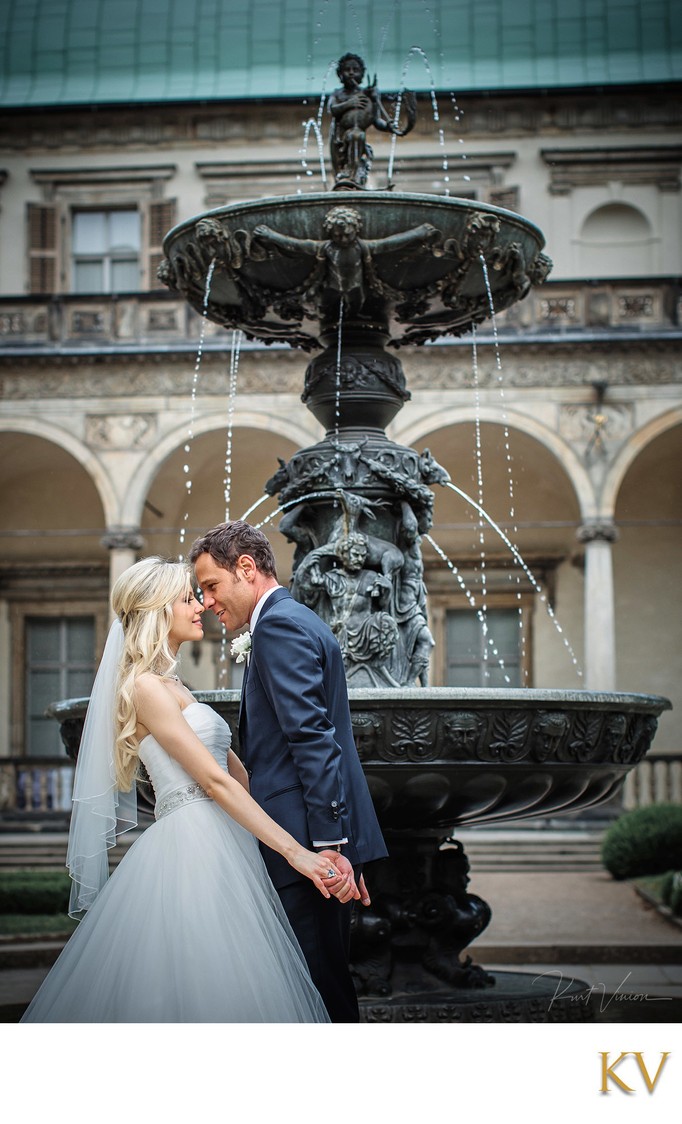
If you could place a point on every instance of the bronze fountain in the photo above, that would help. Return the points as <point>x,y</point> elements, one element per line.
<point>345,275</point>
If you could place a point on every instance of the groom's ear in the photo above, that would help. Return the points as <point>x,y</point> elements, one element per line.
<point>246,567</point>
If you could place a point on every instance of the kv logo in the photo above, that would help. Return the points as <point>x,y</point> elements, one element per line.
<point>608,1072</point>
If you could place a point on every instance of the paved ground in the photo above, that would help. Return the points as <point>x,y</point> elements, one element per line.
<point>584,926</point>
<point>569,908</point>
<point>572,925</point>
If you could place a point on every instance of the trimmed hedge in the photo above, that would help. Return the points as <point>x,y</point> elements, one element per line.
<point>644,841</point>
<point>672,891</point>
<point>48,925</point>
<point>34,891</point>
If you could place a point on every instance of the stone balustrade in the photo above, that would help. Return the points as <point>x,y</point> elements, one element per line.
<point>656,780</point>
<point>45,784</point>
<point>159,322</point>
<point>41,784</point>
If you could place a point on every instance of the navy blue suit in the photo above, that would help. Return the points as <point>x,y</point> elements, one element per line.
<point>297,744</point>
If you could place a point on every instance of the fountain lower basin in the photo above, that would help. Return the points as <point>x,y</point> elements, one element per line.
<point>437,758</point>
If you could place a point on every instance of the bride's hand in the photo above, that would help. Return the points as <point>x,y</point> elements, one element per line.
<point>315,867</point>
<point>343,887</point>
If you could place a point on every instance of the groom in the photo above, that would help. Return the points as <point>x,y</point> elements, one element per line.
<point>297,744</point>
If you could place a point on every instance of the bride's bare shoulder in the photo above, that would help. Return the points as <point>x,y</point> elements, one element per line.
<point>153,697</point>
<point>150,688</point>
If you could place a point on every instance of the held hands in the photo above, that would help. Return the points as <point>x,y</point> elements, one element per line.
<point>340,883</point>
<point>317,867</point>
<point>343,885</point>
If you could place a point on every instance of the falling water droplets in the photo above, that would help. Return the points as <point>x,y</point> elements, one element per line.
<point>390,22</point>
<point>489,645</point>
<point>418,52</point>
<point>235,350</point>
<point>193,400</point>
<point>478,452</point>
<point>529,574</point>
<point>507,452</point>
<point>458,114</point>
<point>223,665</point>
<point>444,159</point>
<point>312,125</point>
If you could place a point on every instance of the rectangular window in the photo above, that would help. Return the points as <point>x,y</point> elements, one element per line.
<point>106,251</point>
<point>478,657</point>
<point>60,664</point>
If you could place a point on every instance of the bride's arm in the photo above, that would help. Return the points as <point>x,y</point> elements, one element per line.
<point>236,770</point>
<point>162,715</point>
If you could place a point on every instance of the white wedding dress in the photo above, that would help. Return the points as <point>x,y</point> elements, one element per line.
<point>189,927</point>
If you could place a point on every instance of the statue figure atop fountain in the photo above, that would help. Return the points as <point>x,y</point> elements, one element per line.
<point>354,111</point>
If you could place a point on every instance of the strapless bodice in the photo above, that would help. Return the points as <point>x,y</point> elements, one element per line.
<point>167,776</point>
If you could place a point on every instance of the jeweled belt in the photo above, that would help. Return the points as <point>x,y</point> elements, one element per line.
<point>180,796</point>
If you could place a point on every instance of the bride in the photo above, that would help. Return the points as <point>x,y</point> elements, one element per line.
<point>189,927</point>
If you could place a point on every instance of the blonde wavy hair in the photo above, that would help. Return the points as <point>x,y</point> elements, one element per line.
<point>143,599</point>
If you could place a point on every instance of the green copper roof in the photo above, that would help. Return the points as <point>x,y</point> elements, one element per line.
<point>70,52</point>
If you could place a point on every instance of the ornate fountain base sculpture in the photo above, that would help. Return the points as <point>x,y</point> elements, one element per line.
<point>358,562</point>
<point>422,918</point>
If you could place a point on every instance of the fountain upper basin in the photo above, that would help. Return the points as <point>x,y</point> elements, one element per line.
<point>418,268</point>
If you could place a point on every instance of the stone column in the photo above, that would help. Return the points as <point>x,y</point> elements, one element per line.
<point>600,617</point>
<point>123,544</point>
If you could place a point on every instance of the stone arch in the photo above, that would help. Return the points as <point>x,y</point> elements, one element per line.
<point>84,456</point>
<point>629,453</point>
<point>175,438</point>
<point>646,489</point>
<point>417,429</point>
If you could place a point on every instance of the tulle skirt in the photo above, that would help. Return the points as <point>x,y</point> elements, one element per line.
<point>188,929</point>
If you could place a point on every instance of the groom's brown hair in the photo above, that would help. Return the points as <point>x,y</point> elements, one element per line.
<point>228,541</point>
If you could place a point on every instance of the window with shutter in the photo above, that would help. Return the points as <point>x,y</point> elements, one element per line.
<point>99,230</point>
<point>42,247</point>
<point>161,219</point>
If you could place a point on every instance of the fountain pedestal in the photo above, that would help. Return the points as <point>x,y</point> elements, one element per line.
<point>352,279</point>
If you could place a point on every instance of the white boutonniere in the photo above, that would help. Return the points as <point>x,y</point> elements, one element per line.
<point>241,647</point>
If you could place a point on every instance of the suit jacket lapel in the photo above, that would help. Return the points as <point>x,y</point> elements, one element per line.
<point>241,699</point>
<point>278,595</point>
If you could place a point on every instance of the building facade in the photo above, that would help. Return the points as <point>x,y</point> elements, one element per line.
<point>128,425</point>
